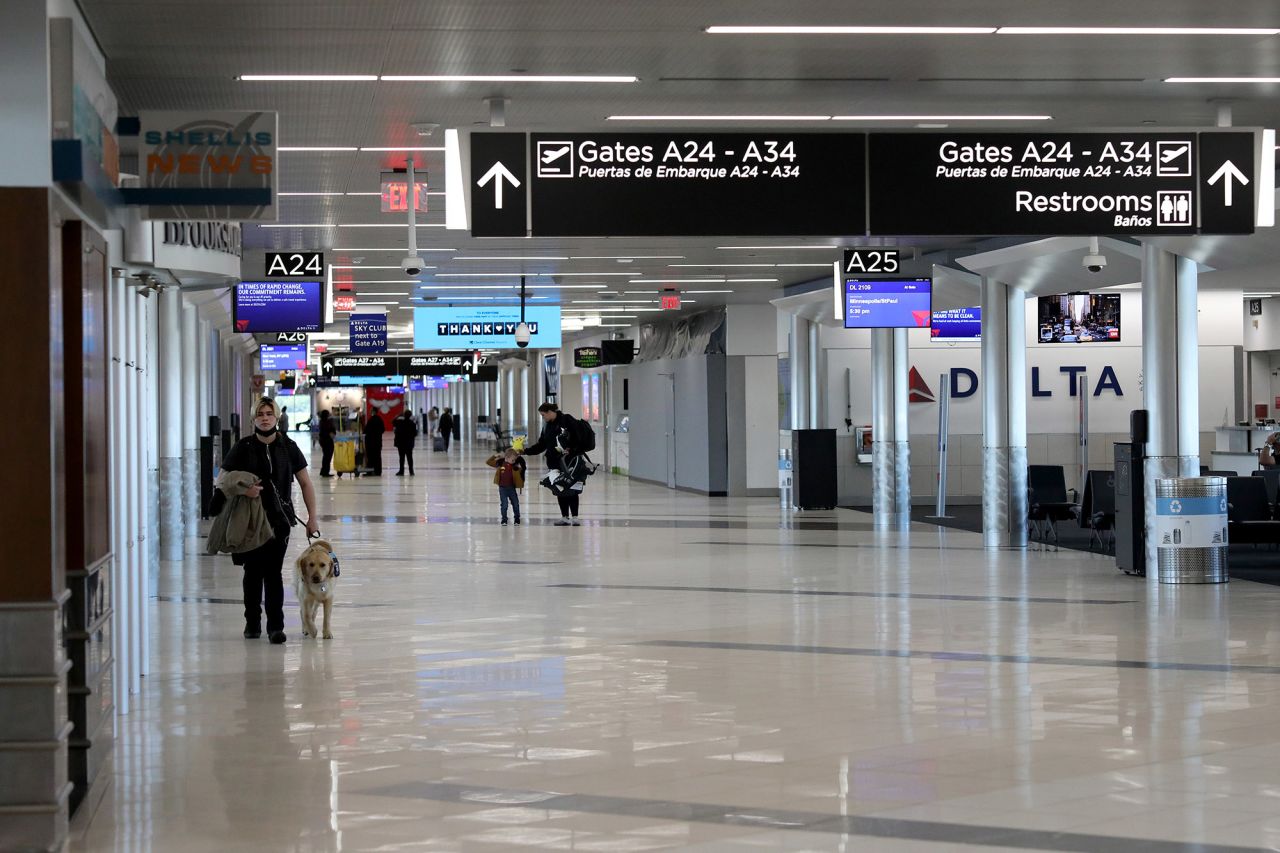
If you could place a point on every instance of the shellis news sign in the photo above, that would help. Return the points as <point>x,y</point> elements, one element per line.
<point>200,152</point>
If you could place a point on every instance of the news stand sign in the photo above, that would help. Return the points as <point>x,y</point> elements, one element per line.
<point>203,162</point>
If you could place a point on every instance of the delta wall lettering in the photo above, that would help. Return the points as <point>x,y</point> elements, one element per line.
<point>964,382</point>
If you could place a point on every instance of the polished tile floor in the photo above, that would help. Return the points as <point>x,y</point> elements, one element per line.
<point>695,673</point>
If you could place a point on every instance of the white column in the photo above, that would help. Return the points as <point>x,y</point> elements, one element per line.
<point>799,356</point>
<point>172,524</point>
<point>1170,370</point>
<point>901,426</point>
<point>190,416</point>
<point>817,415</point>
<point>143,416</point>
<point>995,415</point>
<point>1016,388</point>
<point>121,627</point>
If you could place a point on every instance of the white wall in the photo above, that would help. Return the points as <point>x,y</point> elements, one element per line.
<point>751,344</point>
<point>25,129</point>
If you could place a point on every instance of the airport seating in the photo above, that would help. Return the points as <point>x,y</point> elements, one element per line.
<point>1271,477</point>
<point>1250,516</point>
<point>1098,509</point>
<point>1047,502</point>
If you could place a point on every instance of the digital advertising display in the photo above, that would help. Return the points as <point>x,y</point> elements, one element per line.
<point>956,324</point>
<point>488,327</point>
<point>278,306</point>
<point>1078,318</point>
<point>287,357</point>
<point>887,303</point>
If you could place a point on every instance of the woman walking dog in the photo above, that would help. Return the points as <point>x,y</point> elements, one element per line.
<point>276,461</point>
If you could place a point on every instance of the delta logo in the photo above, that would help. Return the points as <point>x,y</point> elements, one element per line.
<point>920,390</point>
<point>964,383</point>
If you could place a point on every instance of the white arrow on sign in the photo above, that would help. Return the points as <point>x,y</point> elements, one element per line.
<point>328,367</point>
<point>1226,172</point>
<point>498,174</point>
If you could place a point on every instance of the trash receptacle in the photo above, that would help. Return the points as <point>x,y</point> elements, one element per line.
<point>1191,529</point>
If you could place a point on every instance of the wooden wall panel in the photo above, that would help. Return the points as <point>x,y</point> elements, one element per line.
<point>31,476</point>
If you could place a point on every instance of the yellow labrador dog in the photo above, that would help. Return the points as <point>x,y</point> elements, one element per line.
<point>315,577</point>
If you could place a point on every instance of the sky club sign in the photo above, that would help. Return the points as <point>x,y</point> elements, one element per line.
<point>218,165</point>
<point>964,383</point>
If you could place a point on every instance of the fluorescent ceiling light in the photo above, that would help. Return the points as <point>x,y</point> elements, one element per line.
<point>709,266</point>
<point>388,225</point>
<point>944,118</point>
<point>509,78</point>
<point>291,194</point>
<point>851,31</point>
<point>378,293</point>
<point>391,249</point>
<point>506,286</point>
<point>297,225</point>
<point>1222,79</point>
<point>1137,31</point>
<point>530,274</point>
<point>516,258</point>
<point>716,118</point>
<point>625,257</point>
<point>365,267</point>
<point>697,280</point>
<point>317,148</point>
<point>405,148</point>
<point>824,248</point>
<point>363,193</point>
<point>335,78</point>
<point>713,291</point>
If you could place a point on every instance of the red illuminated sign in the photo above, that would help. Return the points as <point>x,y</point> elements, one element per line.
<point>344,303</point>
<point>669,301</point>
<point>395,195</point>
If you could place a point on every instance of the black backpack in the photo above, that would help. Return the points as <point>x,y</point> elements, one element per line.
<point>584,437</point>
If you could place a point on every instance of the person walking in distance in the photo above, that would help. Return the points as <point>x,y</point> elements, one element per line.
<point>559,440</point>
<point>373,430</point>
<point>445,425</point>
<point>284,419</point>
<point>405,432</point>
<point>328,429</point>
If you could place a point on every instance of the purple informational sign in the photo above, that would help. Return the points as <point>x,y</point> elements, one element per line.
<point>286,357</point>
<point>903,303</point>
<point>368,333</point>
<point>278,306</point>
<point>956,324</point>
<point>428,383</point>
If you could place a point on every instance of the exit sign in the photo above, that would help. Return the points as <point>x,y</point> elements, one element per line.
<point>344,303</point>
<point>669,301</point>
<point>395,193</point>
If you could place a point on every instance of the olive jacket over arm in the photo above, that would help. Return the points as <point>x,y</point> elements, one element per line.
<point>242,525</point>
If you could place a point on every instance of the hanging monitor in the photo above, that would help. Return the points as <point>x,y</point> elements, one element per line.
<point>887,303</point>
<point>1078,318</point>
<point>278,306</point>
<point>956,324</point>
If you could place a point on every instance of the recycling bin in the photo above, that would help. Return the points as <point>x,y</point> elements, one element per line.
<point>1191,529</point>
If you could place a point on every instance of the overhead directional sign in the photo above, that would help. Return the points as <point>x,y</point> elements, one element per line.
<point>401,364</point>
<point>499,180</point>
<point>775,183</point>
<point>1227,183</point>
<point>1033,183</point>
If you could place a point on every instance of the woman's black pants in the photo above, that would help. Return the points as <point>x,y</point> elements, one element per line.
<point>326,447</point>
<point>264,577</point>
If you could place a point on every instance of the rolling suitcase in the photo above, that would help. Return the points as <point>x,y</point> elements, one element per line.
<point>437,444</point>
<point>344,457</point>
